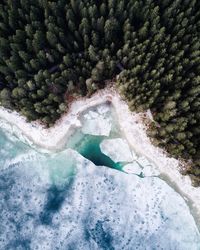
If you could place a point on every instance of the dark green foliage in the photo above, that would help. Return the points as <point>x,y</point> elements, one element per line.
<point>51,51</point>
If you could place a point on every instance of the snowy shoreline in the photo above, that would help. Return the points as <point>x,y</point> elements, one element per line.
<point>53,139</point>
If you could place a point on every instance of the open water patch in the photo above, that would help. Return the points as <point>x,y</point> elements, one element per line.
<point>89,147</point>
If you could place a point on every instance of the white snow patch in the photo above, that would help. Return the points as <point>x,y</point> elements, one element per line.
<point>103,109</point>
<point>150,170</point>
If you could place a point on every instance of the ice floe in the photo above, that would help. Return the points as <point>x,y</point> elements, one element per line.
<point>117,149</point>
<point>148,169</point>
<point>133,168</point>
<point>97,122</point>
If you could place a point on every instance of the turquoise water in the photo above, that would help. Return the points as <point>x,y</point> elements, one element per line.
<point>89,147</point>
<point>77,199</point>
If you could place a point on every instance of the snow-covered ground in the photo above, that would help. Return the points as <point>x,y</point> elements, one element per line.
<point>134,131</point>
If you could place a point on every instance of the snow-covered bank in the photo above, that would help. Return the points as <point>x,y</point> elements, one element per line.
<point>135,133</point>
<point>132,127</point>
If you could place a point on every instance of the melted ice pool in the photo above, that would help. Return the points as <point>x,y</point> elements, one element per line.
<point>95,194</point>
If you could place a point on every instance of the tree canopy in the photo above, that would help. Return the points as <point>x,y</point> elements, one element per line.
<point>53,49</point>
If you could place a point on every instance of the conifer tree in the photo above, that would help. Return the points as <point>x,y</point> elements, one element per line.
<point>50,50</point>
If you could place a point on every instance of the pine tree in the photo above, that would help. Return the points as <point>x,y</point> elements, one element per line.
<point>53,49</point>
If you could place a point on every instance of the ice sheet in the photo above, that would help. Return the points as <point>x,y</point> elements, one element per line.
<point>96,208</point>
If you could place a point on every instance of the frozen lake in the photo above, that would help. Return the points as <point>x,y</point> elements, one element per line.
<point>96,193</point>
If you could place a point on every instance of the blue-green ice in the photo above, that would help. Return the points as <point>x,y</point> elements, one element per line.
<point>82,197</point>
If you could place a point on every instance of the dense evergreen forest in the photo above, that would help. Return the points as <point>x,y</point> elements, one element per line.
<point>53,51</point>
